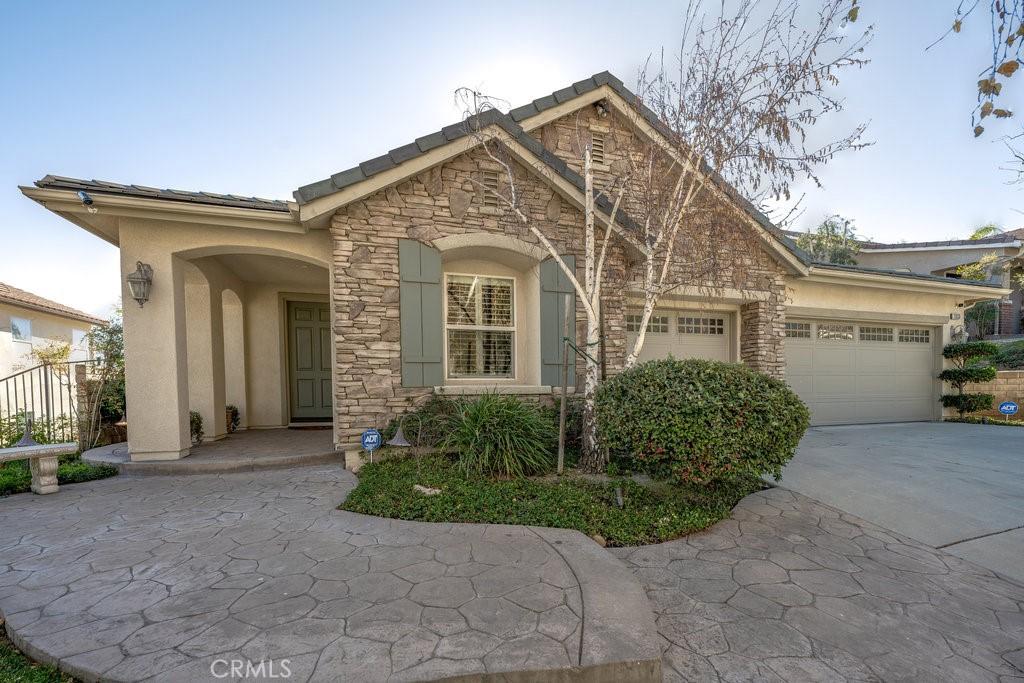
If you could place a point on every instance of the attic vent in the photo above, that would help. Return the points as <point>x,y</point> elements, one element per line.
<point>490,183</point>
<point>597,149</point>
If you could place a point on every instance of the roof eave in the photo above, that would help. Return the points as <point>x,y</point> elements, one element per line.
<point>907,281</point>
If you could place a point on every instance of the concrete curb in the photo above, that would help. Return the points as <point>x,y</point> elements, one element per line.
<point>620,640</point>
<point>187,466</point>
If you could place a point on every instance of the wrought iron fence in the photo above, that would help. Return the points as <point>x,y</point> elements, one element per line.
<point>48,395</point>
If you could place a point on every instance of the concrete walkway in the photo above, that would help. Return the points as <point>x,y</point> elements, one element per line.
<point>161,578</point>
<point>959,487</point>
<point>245,451</point>
<point>792,590</point>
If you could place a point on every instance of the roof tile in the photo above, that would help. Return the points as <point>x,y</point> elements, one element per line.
<point>19,297</point>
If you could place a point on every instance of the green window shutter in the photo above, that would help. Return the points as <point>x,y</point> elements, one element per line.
<point>554,285</point>
<point>419,269</point>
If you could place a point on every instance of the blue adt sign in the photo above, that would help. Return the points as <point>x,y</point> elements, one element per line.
<point>1008,408</point>
<point>371,440</point>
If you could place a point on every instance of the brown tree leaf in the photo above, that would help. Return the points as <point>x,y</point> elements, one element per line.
<point>978,130</point>
<point>986,109</point>
<point>957,25</point>
<point>1008,68</point>
<point>1002,113</point>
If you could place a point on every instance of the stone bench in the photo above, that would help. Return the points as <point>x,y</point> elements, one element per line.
<point>43,460</point>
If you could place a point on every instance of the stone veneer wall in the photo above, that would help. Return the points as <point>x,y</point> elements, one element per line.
<point>435,204</point>
<point>1007,386</point>
<point>442,202</point>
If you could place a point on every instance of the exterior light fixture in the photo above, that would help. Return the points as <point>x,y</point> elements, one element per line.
<point>140,282</point>
<point>399,439</point>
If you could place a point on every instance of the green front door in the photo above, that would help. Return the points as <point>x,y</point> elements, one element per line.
<point>309,360</point>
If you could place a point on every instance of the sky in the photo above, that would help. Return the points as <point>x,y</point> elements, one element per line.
<point>258,98</point>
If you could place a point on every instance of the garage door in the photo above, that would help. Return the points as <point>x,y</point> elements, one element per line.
<point>854,373</point>
<point>684,334</point>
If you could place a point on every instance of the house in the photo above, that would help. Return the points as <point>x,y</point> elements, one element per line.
<point>942,258</point>
<point>29,321</point>
<point>331,308</point>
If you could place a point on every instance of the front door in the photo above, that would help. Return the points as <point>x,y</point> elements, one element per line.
<point>309,361</point>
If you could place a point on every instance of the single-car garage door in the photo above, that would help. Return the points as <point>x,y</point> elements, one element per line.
<point>855,373</point>
<point>684,334</point>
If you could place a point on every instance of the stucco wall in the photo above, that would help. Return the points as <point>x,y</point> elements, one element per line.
<point>156,339</point>
<point>46,328</point>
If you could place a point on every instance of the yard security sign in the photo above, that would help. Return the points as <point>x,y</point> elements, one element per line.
<point>1008,408</point>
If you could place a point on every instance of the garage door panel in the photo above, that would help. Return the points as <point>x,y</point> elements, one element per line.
<point>679,344</point>
<point>849,381</point>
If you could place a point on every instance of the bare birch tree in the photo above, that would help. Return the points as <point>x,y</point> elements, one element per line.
<point>735,115</point>
<point>598,228</point>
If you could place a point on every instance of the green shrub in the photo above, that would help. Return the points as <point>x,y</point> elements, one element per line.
<point>15,476</point>
<point>427,425</point>
<point>699,421</point>
<point>1009,356</point>
<point>195,426</point>
<point>968,403</point>
<point>501,435</point>
<point>968,368</point>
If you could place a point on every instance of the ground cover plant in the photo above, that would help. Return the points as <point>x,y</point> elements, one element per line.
<point>16,477</point>
<point>17,668</point>
<point>650,513</point>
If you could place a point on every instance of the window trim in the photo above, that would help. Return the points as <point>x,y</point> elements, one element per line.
<point>514,329</point>
<point>906,335</point>
<point>875,330</point>
<point>28,326</point>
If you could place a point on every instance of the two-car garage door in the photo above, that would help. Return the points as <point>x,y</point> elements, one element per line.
<point>849,372</point>
<point>846,372</point>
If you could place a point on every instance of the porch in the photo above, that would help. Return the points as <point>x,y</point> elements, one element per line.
<point>234,317</point>
<point>251,450</point>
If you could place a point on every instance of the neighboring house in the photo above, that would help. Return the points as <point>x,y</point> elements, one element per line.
<point>29,322</point>
<point>942,258</point>
<point>333,308</point>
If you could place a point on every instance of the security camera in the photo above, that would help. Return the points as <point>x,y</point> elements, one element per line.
<point>84,196</point>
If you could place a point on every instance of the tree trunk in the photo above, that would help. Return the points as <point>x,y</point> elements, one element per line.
<point>593,458</point>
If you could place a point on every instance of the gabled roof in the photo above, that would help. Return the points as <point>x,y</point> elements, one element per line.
<point>56,182</point>
<point>19,297</point>
<point>510,124</point>
<point>448,134</point>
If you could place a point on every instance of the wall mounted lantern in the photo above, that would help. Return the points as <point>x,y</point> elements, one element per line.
<point>140,282</point>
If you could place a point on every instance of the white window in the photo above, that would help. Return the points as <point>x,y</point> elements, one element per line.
<point>597,149</point>
<point>912,336</point>
<point>835,331</point>
<point>798,330</point>
<point>21,329</point>
<point>480,323</point>
<point>658,324</point>
<point>489,179</point>
<point>876,334</point>
<point>687,325</point>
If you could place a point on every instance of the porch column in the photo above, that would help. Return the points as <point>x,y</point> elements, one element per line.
<point>761,337</point>
<point>156,375</point>
<point>205,333</point>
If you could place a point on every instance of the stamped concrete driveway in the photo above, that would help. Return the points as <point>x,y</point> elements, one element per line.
<point>958,487</point>
<point>171,578</point>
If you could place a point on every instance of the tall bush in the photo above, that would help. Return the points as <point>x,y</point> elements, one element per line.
<point>700,421</point>
<point>501,435</point>
<point>968,368</point>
